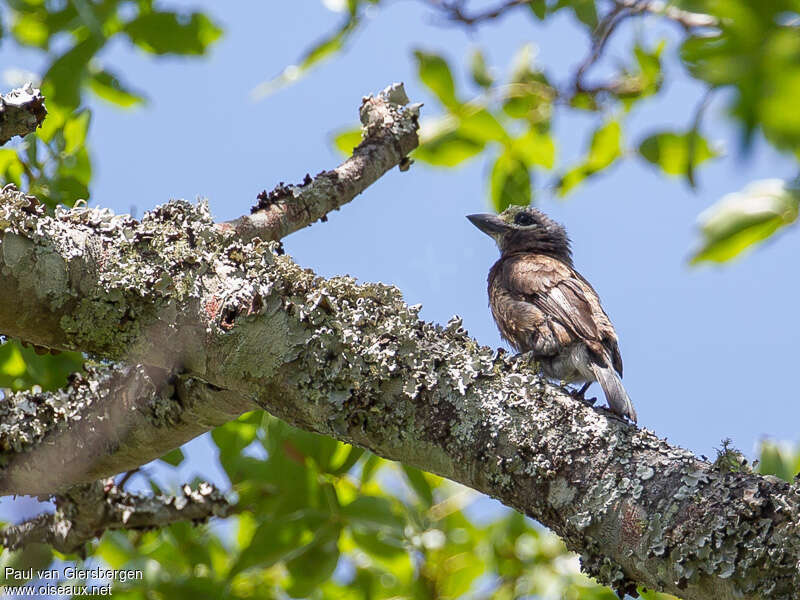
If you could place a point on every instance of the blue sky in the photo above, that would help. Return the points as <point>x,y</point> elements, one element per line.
<point>707,351</point>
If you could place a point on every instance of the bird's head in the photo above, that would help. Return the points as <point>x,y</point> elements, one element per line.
<point>525,229</point>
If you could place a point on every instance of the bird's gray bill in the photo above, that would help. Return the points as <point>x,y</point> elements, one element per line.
<point>488,224</point>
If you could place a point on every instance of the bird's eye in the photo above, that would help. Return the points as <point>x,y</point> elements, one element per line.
<point>523,218</point>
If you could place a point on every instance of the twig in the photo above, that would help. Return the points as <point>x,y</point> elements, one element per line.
<point>685,18</point>
<point>389,134</point>
<point>455,11</point>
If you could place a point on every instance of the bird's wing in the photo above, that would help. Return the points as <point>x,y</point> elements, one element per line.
<point>567,298</point>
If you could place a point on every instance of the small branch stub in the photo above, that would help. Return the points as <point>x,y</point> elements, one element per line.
<point>21,111</point>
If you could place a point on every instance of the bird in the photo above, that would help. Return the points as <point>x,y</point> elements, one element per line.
<point>544,307</point>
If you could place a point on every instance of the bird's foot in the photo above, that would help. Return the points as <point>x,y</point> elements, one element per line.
<point>579,394</point>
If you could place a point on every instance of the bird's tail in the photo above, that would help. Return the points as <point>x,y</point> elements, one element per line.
<point>616,396</point>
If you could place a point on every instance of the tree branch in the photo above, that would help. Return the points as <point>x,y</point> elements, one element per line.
<point>687,19</point>
<point>389,134</point>
<point>242,325</point>
<point>86,511</point>
<point>21,112</point>
<point>456,10</point>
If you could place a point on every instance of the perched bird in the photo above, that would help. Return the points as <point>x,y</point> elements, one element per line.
<point>542,305</point>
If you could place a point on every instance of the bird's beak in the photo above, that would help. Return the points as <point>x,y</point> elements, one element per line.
<point>491,225</point>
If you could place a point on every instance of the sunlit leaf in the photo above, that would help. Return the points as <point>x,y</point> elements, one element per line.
<point>323,49</point>
<point>482,126</point>
<point>743,219</point>
<point>449,149</point>
<point>536,148</point>
<point>782,460</point>
<point>75,131</point>
<point>29,29</point>
<point>509,182</point>
<point>62,82</point>
<point>479,71</point>
<point>109,87</point>
<point>21,367</point>
<point>606,146</point>
<point>435,73</point>
<point>11,168</point>
<point>346,141</point>
<point>671,151</point>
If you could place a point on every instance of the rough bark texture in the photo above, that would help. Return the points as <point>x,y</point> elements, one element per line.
<point>21,112</point>
<point>224,324</point>
<point>101,505</point>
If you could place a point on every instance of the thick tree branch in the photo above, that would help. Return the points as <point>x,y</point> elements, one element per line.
<point>240,325</point>
<point>111,420</point>
<point>353,361</point>
<point>389,134</point>
<point>84,512</point>
<point>21,112</point>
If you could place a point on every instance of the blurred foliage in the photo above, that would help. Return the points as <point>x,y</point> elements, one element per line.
<point>318,518</point>
<point>782,460</point>
<point>751,49</point>
<point>55,163</point>
<point>743,219</point>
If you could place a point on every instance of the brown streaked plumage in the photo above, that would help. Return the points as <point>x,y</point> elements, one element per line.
<point>542,305</point>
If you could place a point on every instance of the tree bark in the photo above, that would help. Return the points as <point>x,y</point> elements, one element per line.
<point>224,324</point>
<point>21,112</point>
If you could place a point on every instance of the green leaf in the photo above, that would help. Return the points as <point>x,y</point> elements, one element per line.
<point>372,512</point>
<point>571,179</point>
<point>510,182</point>
<point>482,126</point>
<point>536,148</point>
<point>529,94</point>
<point>173,457</point>
<point>347,140</point>
<point>379,543</point>
<point>75,131</point>
<point>315,565</point>
<point>479,71</point>
<point>31,30</point>
<point>606,146</point>
<point>321,50</point>
<point>744,219</point>
<point>11,168</point>
<point>170,33</point>
<point>448,150</point>
<point>108,87</point>
<point>671,151</point>
<point>276,540</point>
<point>62,82</point>
<point>435,73</point>
<point>538,8</point>
<point>780,460</point>
<point>416,479</point>
<point>21,367</point>
<point>584,10</point>
<point>77,166</point>
<point>353,453</point>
